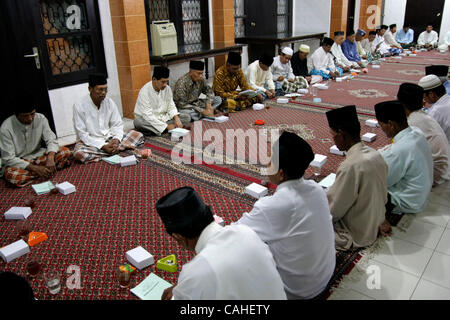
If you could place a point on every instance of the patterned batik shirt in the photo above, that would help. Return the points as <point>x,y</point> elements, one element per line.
<point>186,93</point>
<point>225,83</point>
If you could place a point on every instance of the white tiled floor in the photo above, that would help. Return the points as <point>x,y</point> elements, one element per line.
<point>414,263</point>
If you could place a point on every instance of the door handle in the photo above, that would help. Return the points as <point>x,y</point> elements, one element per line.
<point>35,55</point>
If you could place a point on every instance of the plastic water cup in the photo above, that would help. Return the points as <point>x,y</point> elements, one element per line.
<point>53,281</point>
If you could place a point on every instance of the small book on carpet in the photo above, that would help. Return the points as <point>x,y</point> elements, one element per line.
<point>248,93</point>
<point>151,288</point>
<point>43,188</point>
<point>219,119</point>
<point>115,159</point>
<point>328,181</point>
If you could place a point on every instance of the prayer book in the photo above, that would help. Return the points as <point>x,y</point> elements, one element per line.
<point>282,100</point>
<point>335,150</point>
<point>179,131</point>
<point>151,288</point>
<point>318,161</point>
<point>320,86</point>
<point>256,190</point>
<point>258,106</point>
<point>43,188</point>
<point>248,93</point>
<point>328,181</point>
<point>369,137</point>
<point>372,123</point>
<point>139,257</point>
<point>115,159</point>
<point>65,188</point>
<point>14,250</point>
<point>128,161</point>
<point>17,213</point>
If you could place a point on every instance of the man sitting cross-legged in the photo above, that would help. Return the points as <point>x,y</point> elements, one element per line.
<point>358,196</point>
<point>99,125</point>
<point>410,174</point>
<point>323,63</point>
<point>187,92</point>
<point>258,76</point>
<point>23,159</point>
<point>227,79</point>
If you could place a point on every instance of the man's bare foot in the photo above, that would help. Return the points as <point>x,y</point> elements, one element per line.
<point>385,229</point>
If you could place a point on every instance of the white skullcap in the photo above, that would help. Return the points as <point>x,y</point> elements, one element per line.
<point>288,51</point>
<point>304,48</point>
<point>430,82</point>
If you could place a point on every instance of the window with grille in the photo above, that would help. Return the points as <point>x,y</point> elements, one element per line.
<point>71,41</point>
<point>239,18</point>
<point>191,20</point>
<point>283,17</point>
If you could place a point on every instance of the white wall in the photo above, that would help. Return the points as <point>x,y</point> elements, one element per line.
<point>311,16</point>
<point>445,24</point>
<point>62,99</point>
<point>394,12</point>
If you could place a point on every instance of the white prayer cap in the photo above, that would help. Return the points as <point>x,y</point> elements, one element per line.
<point>430,82</point>
<point>288,51</point>
<point>304,48</point>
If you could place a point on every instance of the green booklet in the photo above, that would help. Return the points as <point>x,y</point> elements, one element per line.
<point>115,159</point>
<point>43,188</point>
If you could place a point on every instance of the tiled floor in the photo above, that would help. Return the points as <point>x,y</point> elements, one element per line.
<point>414,263</point>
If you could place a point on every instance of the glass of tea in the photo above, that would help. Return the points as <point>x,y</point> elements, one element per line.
<point>34,265</point>
<point>124,277</point>
<point>23,229</point>
<point>30,201</point>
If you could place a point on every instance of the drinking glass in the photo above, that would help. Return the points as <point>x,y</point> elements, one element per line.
<point>124,278</point>
<point>34,265</point>
<point>53,281</point>
<point>23,229</point>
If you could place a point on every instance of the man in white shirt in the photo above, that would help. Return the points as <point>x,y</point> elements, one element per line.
<point>282,70</point>
<point>389,37</point>
<point>230,263</point>
<point>99,125</point>
<point>336,50</point>
<point>429,38</point>
<point>367,43</point>
<point>411,95</point>
<point>258,76</point>
<point>435,94</point>
<point>441,71</point>
<point>359,194</point>
<point>382,46</point>
<point>322,62</point>
<point>445,46</point>
<point>155,112</point>
<point>295,221</point>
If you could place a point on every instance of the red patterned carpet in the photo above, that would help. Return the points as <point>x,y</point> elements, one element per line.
<point>395,72</point>
<point>422,59</point>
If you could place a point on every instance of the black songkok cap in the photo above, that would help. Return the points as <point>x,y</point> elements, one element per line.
<point>97,79</point>
<point>234,58</point>
<point>350,33</point>
<point>343,118</point>
<point>339,33</point>
<point>390,110</point>
<point>411,95</point>
<point>438,70</point>
<point>393,26</point>
<point>161,72</point>
<point>181,208</point>
<point>385,27</point>
<point>197,65</point>
<point>266,59</point>
<point>327,41</point>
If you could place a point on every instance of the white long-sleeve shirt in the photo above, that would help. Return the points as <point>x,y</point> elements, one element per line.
<point>94,126</point>
<point>428,38</point>
<point>440,111</point>
<point>321,61</point>
<point>257,77</point>
<point>383,48</point>
<point>389,38</point>
<point>281,69</point>
<point>440,149</point>
<point>297,225</point>
<point>154,107</point>
<point>341,59</point>
<point>232,263</point>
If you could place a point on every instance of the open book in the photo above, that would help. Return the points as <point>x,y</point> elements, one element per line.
<point>248,93</point>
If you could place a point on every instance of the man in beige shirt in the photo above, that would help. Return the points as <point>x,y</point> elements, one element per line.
<point>411,96</point>
<point>357,198</point>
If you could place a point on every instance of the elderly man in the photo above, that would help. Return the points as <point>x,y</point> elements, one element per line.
<point>155,112</point>
<point>99,125</point>
<point>283,75</point>
<point>24,160</point>
<point>405,37</point>
<point>389,37</point>
<point>258,76</point>
<point>442,72</point>
<point>350,51</point>
<point>428,39</point>
<point>359,48</point>
<point>299,62</point>
<point>435,94</point>
<point>227,79</point>
<point>410,174</point>
<point>187,91</point>
<point>295,221</point>
<point>230,263</point>
<point>358,196</point>
<point>336,50</point>
<point>411,95</point>
<point>323,63</point>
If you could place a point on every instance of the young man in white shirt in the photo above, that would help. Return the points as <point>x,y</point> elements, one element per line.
<point>230,263</point>
<point>258,76</point>
<point>295,221</point>
<point>428,39</point>
<point>389,37</point>
<point>322,62</point>
<point>155,112</point>
<point>99,126</point>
